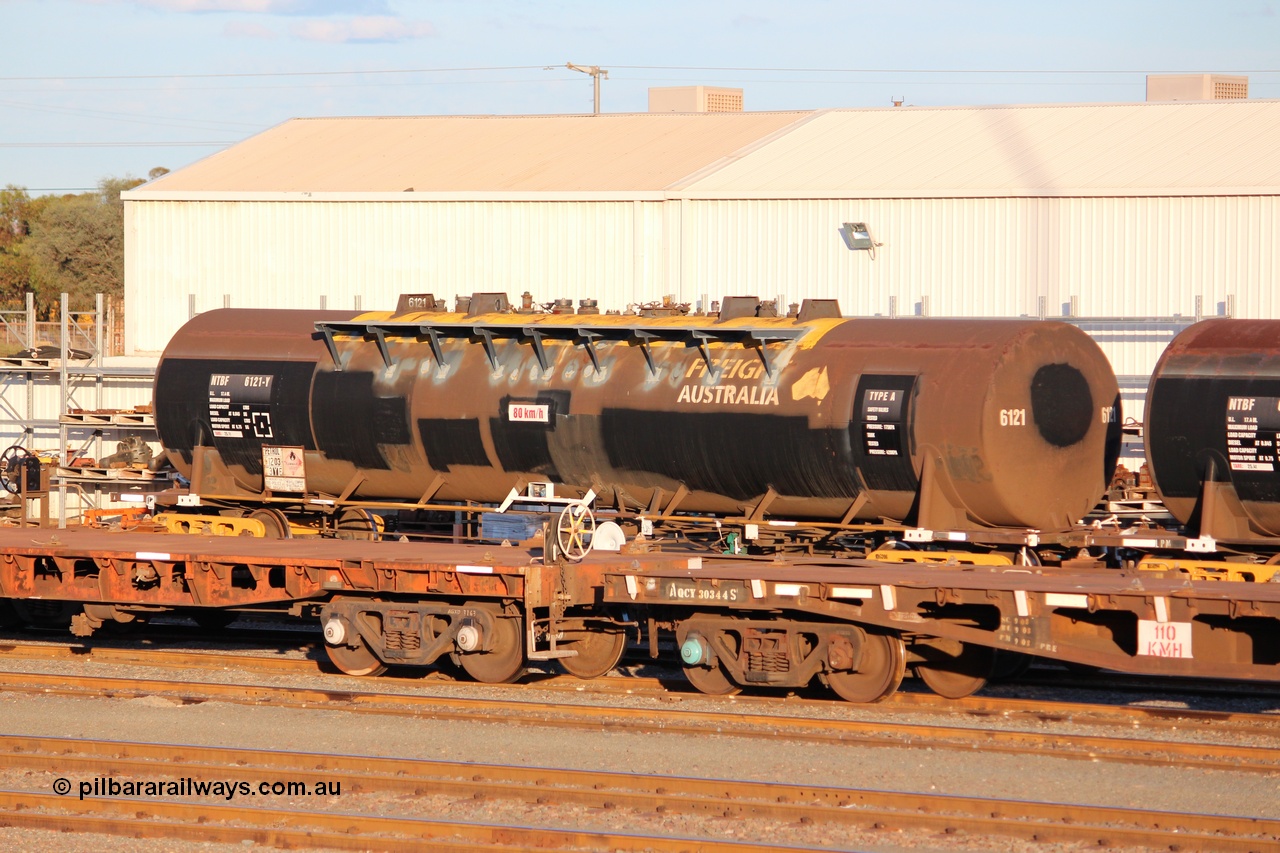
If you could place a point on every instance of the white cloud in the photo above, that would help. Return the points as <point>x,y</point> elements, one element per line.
<point>377,28</point>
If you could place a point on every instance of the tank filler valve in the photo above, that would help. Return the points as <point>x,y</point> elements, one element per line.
<point>334,631</point>
<point>468,638</point>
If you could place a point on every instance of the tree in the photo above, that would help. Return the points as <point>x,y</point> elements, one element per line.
<point>76,245</point>
<point>17,211</point>
<point>72,243</point>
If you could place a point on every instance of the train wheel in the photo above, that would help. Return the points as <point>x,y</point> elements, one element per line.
<point>275,525</point>
<point>355,659</point>
<point>711,680</point>
<point>597,651</point>
<point>356,523</point>
<point>884,664</point>
<point>503,663</point>
<point>955,670</point>
<point>45,614</point>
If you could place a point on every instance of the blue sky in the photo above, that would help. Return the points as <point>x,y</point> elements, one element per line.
<point>91,89</point>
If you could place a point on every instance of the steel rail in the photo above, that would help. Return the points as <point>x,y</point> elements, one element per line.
<point>1092,714</point>
<point>1201,755</point>
<point>137,817</point>
<point>165,658</point>
<point>257,662</point>
<point>254,662</point>
<point>858,808</point>
<point>1132,682</point>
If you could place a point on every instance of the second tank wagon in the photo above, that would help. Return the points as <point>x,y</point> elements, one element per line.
<point>1213,428</point>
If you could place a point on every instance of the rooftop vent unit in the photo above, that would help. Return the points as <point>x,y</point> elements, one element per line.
<point>695,99</point>
<point>1196,87</point>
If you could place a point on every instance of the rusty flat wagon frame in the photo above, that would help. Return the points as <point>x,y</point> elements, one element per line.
<point>854,625</point>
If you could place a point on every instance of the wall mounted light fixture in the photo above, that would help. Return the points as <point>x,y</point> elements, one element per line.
<point>857,236</point>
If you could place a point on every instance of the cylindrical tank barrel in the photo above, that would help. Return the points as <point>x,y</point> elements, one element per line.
<point>1213,414</point>
<point>1009,423</point>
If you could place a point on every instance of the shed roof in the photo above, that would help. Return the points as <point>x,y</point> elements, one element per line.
<point>476,153</point>
<point>1217,147</point>
<point>1182,148</point>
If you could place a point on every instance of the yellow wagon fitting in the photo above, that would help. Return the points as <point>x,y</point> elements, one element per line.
<point>1212,570</point>
<point>949,558</point>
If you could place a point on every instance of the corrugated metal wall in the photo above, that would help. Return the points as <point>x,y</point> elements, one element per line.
<point>290,254</point>
<point>1118,257</point>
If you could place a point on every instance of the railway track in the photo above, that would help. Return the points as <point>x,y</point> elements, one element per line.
<point>1137,683</point>
<point>549,789</point>
<point>734,721</point>
<point>674,687</point>
<point>340,831</point>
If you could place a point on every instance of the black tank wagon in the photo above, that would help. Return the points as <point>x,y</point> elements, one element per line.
<point>1213,428</point>
<point>939,424</point>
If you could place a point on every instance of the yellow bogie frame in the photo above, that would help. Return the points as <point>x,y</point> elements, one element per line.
<point>219,525</point>
<point>949,558</point>
<point>1211,570</point>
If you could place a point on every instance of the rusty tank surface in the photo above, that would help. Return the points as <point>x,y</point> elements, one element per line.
<point>947,424</point>
<point>1213,427</point>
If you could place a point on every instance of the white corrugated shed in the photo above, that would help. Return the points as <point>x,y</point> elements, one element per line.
<point>1125,257</point>
<point>282,255</point>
